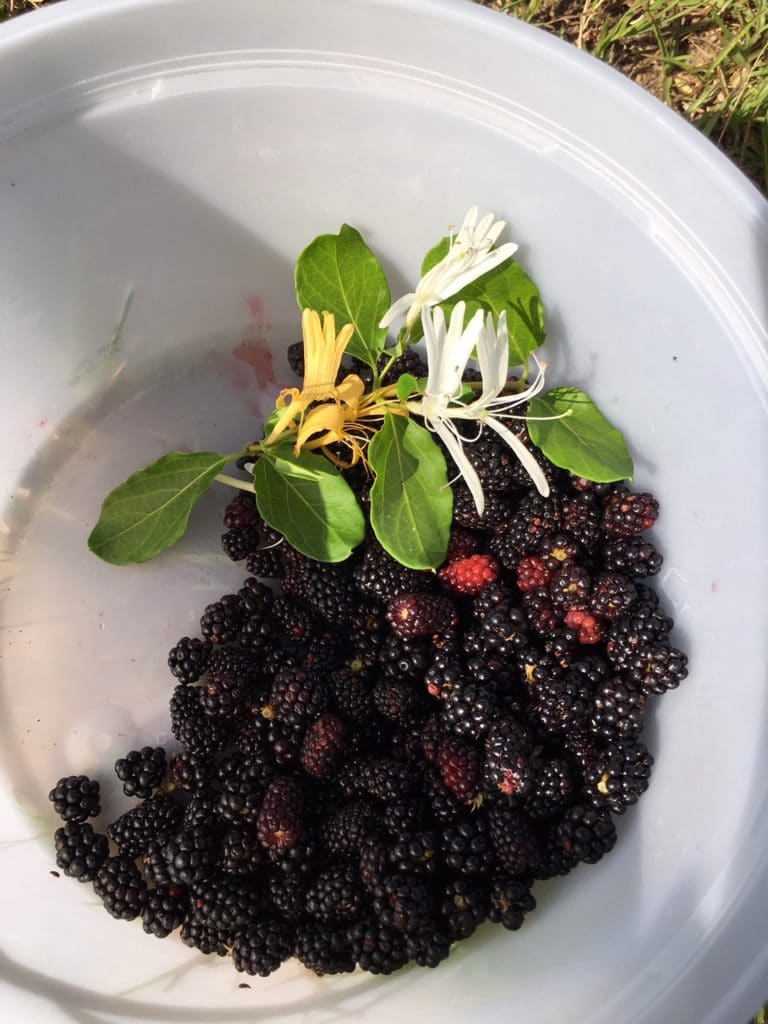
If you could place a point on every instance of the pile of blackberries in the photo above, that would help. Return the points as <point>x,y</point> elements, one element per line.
<point>374,760</point>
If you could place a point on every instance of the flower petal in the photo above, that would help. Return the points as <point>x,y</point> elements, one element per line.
<point>465,467</point>
<point>475,269</point>
<point>397,309</point>
<point>529,463</point>
<point>493,356</point>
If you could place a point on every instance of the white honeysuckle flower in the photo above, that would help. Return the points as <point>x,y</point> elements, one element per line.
<point>470,256</point>
<point>448,351</point>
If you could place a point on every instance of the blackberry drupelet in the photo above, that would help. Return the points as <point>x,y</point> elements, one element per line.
<point>323,746</point>
<point>626,514</point>
<point>510,901</point>
<point>463,906</point>
<point>633,556</point>
<point>417,615</point>
<point>75,798</point>
<point>586,834</point>
<point>80,851</point>
<point>221,620</point>
<point>336,896</point>
<point>466,847</point>
<point>157,817</point>
<point>468,711</point>
<point>263,948</point>
<point>188,659</point>
<point>120,887</point>
<point>324,950</point>
<point>164,910</point>
<point>403,902</point>
<point>279,822</point>
<point>377,948</point>
<point>238,543</point>
<point>141,771</point>
<point>513,841</point>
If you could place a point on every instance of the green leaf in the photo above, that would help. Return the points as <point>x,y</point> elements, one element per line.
<point>150,511</point>
<point>309,501</point>
<point>407,385</point>
<point>339,274</point>
<point>583,441</point>
<point>411,501</point>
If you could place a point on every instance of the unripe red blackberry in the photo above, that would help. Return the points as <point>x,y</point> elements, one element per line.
<point>323,746</point>
<point>280,818</point>
<point>626,514</point>
<point>461,767</point>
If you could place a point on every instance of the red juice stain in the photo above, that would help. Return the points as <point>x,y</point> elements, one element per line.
<point>255,305</point>
<point>258,356</point>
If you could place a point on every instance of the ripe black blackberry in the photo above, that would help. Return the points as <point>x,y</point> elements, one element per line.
<point>556,550</point>
<point>365,637</point>
<point>221,697</point>
<point>243,782</point>
<point>257,636</point>
<point>141,771</point>
<point>382,578</point>
<point>190,855</point>
<point>375,862</point>
<point>633,556</point>
<point>469,711</point>
<point>201,810</point>
<point>288,894</point>
<point>627,514</point>
<point>80,851</point>
<point>199,735</point>
<point>294,619</point>
<point>462,544</point>
<point>444,805</point>
<point>198,932</point>
<point>533,519</point>
<point>157,817</point>
<point>265,563</point>
<point>552,789</point>
<point>263,948</point>
<point>255,598</point>
<point>586,834</point>
<point>490,598</point>
<point>507,769</point>
<point>188,659</point>
<point>463,905</point>
<point>559,704</point>
<point>323,950</point>
<point>415,853</point>
<point>431,738</point>
<point>509,902</point>
<point>460,767</point>
<point>221,620</point>
<point>153,866</point>
<point>513,841</point>
<point>323,746</point>
<point>396,700</point>
<point>654,668</point>
<point>75,798</point>
<point>618,710</point>
<point>494,462</point>
<point>240,852</point>
<point>404,815</point>
<point>613,594</point>
<point>189,772</point>
<point>581,518</point>
<point>329,590</point>
<point>466,847</point>
<point>570,588</point>
<point>445,674</point>
<point>304,858</point>
<point>295,356</point>
<point>620,776</point>
<point>420,615</point>
<point>238,543</point>
<point>234,661</point>
<point>346,830</point>
<point>501,633</point>
<point>540,612</point>
<point>325,653</point>
<point>495,514</point>
<point>279,821</point>
<point>409,362</point>
<point>298,696</point>
<point>404,902</point>
<point>429,946</point>
<point>380,777</point>
<point>120,887</point>
<point>164,910</point>
<point>241,511</point>
<point>404,659</point>
<point>229,905</point>
<point>336,896</point>
<point>377,948</point>
<point>351,693</point>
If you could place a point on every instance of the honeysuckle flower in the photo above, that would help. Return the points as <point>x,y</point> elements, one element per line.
<point>471,254</point>
<point>448,351</point>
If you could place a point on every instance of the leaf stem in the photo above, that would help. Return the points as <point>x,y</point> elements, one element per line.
<point>233,481</point>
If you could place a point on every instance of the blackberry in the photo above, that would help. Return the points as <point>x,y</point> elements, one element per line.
<point>153,866</point>
<point>460,767</point>
<point>298,696</point>
<point>521,535</point>
<point>335,897</point>
<point>164,910</point>
<point>255,598</point>
<point>375,862</point>
<point>395,700</point>
<point>380,577</point>
<point>240,512</point>
<point>431,737</point>
<point>75,798</point>
<point>157,817</point>
<point>377,948</point>
<point>240,542</point>
<point>403,902</point>
<point>468,711</point>
<point>414,853</point>
<point>222,697</point>
<point>510,901</point>
<point>466,847</point>
<point>444,805</point>
<point>202,736</point>
<point>444,675</point>
<point>80,851</point>
<point>495,514</point>
<point>221,621</point>
<point>229,905</point>
<point>257,636</point>
<point>263,948</point>
<point>618,710</point>
<point>295,356</point>
<point>234,661</point>
<point>382,778</point>
<point>323,746</point>
<point>345,830</point>
<point>582,520</point>
<point>403,815</point>
<point>470,575</point>
<point>463,906</point>
<point>416,615</point>
<point>655,668</point>
<point>488,599</point>
<point>351,693</point>
<point>556,550</point>
<point>243,784</point>
<point>188,659</point>
<point>365,638</point>
<point>513,841</point>
<point>404,659</point>
<point>586,834</point>
<point>324,950</point>
<point>409,362</point>
<point>198,932</point>
<point>620,776</point>
<point>183,705</point>
<point>324,654</point>
<point>288,895</point>
<point>559,704</point>
<point>507,770</point>
<point>429,946</point>
<point>645,626</point>
<point>330,591</point>
<point>302,858</point>
<point>502,632</point>
<point>551,791</point>
<point>280,817</point>
<point>494,462</point>
<point>612,595</point>
<point>626,514</point>
<point>201,810</point>
<point>633,556</point>
<point>120,887</point>
<point>264,563</point>
<point>240,852</point>
<point>295,619</point>
<point>462,544</point>
<point>191,855</point>
<point>532,573</point>
<point>190,772</point>
<point>141,771</point>
<point>570,588</point>
<point>589,628</point>
<point>540,611</point>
